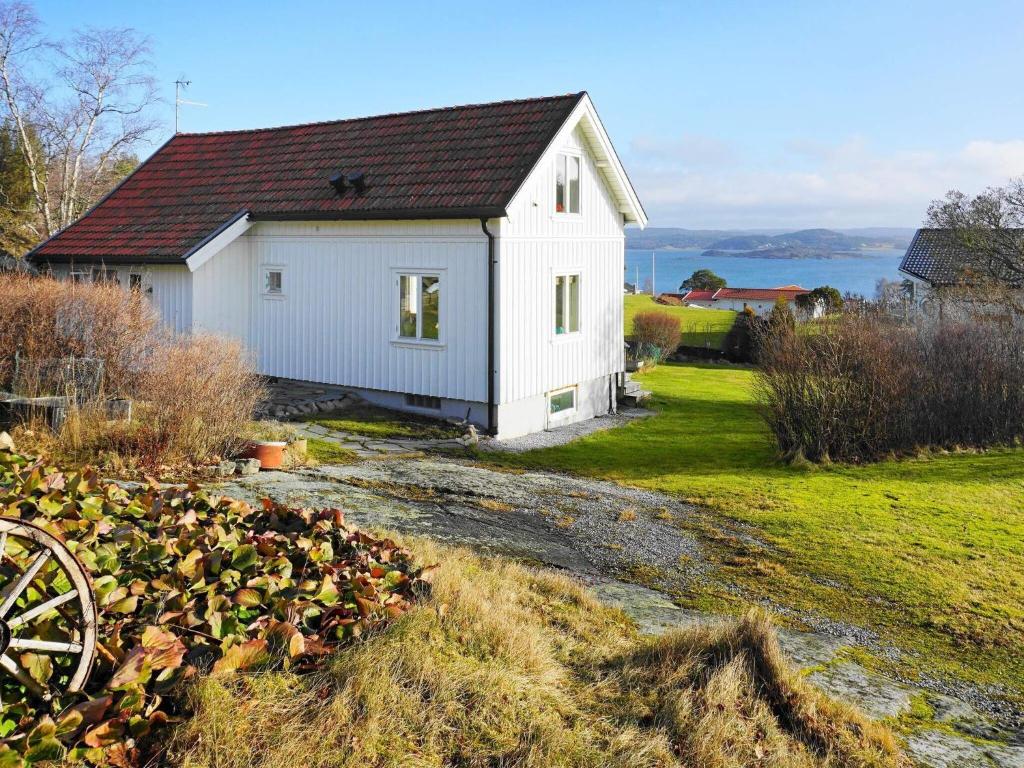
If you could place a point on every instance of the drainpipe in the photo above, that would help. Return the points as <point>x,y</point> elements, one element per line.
<point>492,420</point>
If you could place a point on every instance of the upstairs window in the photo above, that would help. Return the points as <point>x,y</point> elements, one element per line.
<point>419,307</point>
<point>567,304</point>
<point>567,184</point>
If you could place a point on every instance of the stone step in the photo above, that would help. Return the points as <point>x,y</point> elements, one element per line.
<point>629,388</point>
<point>635,399</point>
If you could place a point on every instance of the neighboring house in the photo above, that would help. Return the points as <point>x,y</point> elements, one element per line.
<point>760,300</point>
<point>461,262</point>
<point>932,261</point>
<point>629,288</point>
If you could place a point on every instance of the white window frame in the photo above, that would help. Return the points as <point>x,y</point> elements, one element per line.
<point>555,274</point>
<point>265,271</point>
<point>568,411</point>
<point>566,214</point>
<point>397,339</point>
<point>80,275</point>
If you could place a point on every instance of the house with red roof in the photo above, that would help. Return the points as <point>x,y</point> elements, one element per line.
<point>760,300</point>
<point>464,261</point>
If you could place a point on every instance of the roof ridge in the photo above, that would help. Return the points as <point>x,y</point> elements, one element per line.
<point>479,105</point>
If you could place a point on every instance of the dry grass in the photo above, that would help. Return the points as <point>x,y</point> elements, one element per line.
<point>508,666</point>
<point>192,395</point>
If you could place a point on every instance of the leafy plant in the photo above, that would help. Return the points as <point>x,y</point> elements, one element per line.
<point>186,582</point>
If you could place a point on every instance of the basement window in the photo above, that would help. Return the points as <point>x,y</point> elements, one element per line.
<point>419,307</point>
<point>567,304</point>
<point>135,281</point>
<point>424,402</point>
<point>562,402</point>
<point>567,183</point>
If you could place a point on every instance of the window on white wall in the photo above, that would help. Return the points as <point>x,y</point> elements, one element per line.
<point>273,281</point>
<point>419,307</point>
<point>135,281</point>
<point>567,304</point>
<point>567,183</point>
<point>562,402</point>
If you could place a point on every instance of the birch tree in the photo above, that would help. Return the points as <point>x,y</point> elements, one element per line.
<point>79,107</point>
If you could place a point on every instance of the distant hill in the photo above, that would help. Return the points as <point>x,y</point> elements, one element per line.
<point>775,244</point>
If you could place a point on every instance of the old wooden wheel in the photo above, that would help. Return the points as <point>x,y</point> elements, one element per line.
<point>47,614</point>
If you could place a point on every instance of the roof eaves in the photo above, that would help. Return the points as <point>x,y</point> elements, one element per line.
<point>101,201</point>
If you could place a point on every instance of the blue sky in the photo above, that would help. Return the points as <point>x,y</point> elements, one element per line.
<point>726,114</point>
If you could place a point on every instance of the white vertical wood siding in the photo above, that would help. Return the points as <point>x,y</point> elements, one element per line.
<point>534,244</point>
<point>222,292</point>
<point>168,287</point>
<point>337,321</point>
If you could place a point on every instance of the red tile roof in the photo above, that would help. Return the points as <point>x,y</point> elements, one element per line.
<point>760,294</point>
<point>788,292</point>
<point>699,296</point>
<point>455,162</point>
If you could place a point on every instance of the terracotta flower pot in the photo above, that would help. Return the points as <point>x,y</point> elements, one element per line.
<point>269,452</point>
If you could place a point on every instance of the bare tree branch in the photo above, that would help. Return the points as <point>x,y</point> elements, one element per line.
<point>91,112</point>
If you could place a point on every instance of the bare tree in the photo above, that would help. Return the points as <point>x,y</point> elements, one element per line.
<point>77,123</point>
<point>988,233</point>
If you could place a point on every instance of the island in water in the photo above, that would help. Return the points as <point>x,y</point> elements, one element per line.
<point>801,244</point>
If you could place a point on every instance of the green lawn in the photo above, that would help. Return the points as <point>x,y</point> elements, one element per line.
<point>701,327</point>
<point>371,421</point>
<point>927,552</point>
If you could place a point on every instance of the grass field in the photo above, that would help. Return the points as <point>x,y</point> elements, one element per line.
<point>927,552</point>
<point>701,327</point>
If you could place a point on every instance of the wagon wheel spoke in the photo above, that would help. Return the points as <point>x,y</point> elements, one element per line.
<point>19,586</point>
<point>39,610</point>
<point>11,667</point>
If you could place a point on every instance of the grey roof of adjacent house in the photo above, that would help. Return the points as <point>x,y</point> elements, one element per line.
<point>933,256</point>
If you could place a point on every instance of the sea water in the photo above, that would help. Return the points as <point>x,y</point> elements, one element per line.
<point>856,273</point>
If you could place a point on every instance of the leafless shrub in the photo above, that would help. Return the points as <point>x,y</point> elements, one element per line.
<point>656,334</point>
<point>192,394</point>
<point>860,388</point>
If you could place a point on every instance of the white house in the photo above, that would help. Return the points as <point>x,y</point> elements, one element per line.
<point>759,300</point>
<point>458,261</point>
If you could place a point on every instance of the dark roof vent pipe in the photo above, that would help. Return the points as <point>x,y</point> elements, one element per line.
<point>358,181</point>
<point>338,182</point>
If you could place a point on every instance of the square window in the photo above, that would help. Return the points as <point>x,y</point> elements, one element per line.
<point>567,183</point>
<point>562,402</point>
<point>567,304</point>
<point>419,307</point>
<point>273,282</point>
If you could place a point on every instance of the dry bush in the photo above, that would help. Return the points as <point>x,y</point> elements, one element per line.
<point>861,388</point>
<point>192,395</point>
<point>505,665</point>
<point>656,334</point>
<point>42,318</point>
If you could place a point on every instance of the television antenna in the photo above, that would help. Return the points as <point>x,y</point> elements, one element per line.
<point>179,86</point>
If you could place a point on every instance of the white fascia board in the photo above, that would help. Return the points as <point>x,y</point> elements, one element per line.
<point>607,160</point>
<point>216,242</point>
<point>614,171</point>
